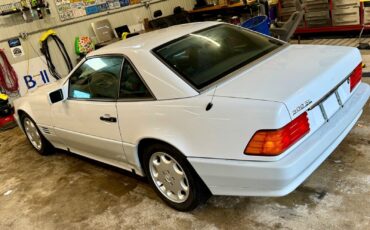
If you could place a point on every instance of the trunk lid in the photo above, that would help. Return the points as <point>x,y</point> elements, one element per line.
<point>298,76</point>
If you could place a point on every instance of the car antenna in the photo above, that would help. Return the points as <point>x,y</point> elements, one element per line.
<point>210,104</point>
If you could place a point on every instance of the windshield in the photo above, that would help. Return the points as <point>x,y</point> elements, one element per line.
<point>206,56</point>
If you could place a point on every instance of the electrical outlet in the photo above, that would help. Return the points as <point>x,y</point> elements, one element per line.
<point>23,35</point>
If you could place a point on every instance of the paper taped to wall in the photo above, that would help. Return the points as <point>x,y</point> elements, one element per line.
<point>32,74</point>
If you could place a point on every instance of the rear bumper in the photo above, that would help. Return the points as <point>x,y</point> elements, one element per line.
<point>278,178</point>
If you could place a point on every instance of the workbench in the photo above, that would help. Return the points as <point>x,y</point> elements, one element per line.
<point>214,12</point>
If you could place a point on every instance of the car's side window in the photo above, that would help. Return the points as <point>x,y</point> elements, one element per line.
<point>132,87</point>
<point>96,78</point>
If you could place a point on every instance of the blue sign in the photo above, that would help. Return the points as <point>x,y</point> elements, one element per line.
<point>30,81</point>
<point>14,42</point>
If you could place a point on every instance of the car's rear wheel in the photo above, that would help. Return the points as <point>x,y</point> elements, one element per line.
<point>35,137</point>
<point>173,178</point>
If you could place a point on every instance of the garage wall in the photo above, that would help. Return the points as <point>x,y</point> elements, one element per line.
<point>11,26</point>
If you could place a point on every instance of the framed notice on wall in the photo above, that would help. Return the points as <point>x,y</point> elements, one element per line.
<point>70,9</point>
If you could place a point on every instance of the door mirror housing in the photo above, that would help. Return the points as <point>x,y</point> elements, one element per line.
<point>58,95</point>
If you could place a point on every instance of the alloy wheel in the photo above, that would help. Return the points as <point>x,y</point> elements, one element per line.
<point>32,133</point>
<point>169,177</point>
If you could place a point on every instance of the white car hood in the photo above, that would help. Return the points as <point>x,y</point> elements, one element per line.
<point>294,75</point>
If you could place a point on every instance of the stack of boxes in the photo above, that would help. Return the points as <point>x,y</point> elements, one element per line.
<point>317,13</point>
<point>346,12</point>
<point>288,7</point>
<point>367,12</point>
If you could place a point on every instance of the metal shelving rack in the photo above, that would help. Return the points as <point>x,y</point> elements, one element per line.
<point>17,7</point>
<point>7,9</point>
<point>306,28</point>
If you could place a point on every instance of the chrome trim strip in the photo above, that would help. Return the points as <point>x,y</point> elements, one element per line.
<point>326,96</point>
<point>338,98</point>
<point>324,114</point>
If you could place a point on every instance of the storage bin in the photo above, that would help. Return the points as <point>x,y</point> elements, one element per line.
<point>259,24</point>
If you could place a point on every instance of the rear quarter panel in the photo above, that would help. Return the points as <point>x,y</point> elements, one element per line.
<point>222,132</point>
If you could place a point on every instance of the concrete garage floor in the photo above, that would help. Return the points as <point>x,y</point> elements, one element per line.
<point>64,191</point>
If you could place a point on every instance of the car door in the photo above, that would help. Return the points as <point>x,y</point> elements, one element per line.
<point>134,104</point>
<point>87,121</point>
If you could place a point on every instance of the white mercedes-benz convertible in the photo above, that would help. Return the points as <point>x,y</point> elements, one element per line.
<point>203,108</point>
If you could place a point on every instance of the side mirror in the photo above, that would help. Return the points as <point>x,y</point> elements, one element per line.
<point>59,94</point>
<point>56,96</point>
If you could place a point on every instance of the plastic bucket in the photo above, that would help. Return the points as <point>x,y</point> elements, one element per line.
<point>260,24</point>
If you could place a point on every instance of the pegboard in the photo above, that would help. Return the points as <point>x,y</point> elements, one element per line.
<point>71,9</point>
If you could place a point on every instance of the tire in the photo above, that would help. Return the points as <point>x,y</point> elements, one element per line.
<point>35,137</point>
<point>173,178</point>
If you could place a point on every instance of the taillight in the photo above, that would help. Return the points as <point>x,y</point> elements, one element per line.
<point>275,142</point>
<point>355,77</point>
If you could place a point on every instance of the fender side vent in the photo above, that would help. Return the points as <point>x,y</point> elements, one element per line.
<point>46,130</point>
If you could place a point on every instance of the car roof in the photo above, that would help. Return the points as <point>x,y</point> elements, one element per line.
<point>151,40</point>
<point>162,81</point>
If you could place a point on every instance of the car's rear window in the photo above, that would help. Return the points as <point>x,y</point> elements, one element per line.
<point>206,56</point>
